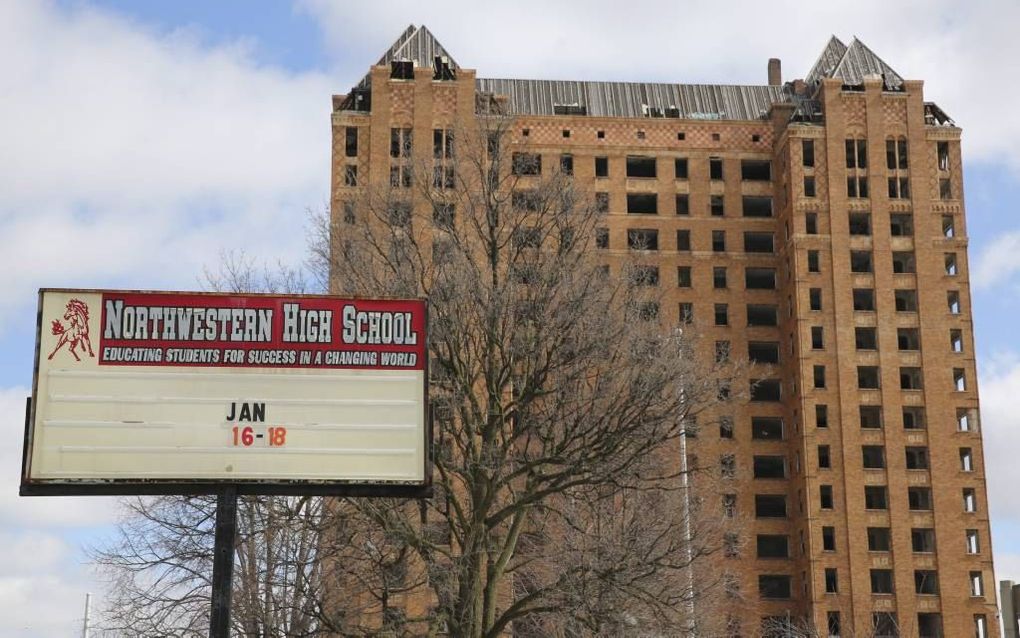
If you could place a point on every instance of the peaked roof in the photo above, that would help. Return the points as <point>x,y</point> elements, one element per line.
<point>415,43</point>
<point>852,64</point>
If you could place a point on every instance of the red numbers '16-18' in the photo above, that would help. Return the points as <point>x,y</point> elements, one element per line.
<point>246,436</point>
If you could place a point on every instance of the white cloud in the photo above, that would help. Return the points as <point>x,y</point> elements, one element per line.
<point>997,262</point>
<point>131,157</point>
<point>1000,385</point>
<point>962,51</point>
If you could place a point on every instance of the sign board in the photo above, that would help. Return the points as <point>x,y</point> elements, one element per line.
<point>183,392</point>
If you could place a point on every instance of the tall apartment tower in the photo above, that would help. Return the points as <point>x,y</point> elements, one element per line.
<point>817,226</point>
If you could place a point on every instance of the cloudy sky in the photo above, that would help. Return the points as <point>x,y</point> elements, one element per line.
<point>138,140</point>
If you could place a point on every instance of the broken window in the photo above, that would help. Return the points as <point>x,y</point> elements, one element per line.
<point>953,300</point>
<point>906,300</point>
<point>866,338</point>
<point>966,419</point>
<point>825,497</point>
<point>683,204</point>
<point>349,212</point>
<point>896,154</point>
<point>913,418</point>
<point>860,261</point>
<point>602,202</point>
<point>966,459</point>
<point>686,312</point>
<point>922,540</point>
<point>945,188</point>
<point>769,467</point>
<point>755,170</point>
<point>722,354</point>
<point>602,238</point>
<point>901,225</point>
<point>401,142</point>
<point>977,584</point>
<point>351,141</point>
<point>870,417</point>
<point>926,582</point>
<point>876,497</point>
<point>899,188</point>
<point>719,241</point>
<point>917,458</point>
<point>402,70</point>
<point>856,153</point>
<point>903,262</point>
<point>645,276</point>
<point>763,351</point>
<point>831,582</point>
<point>809,186</point>
<point>642,239</point>
<point>721,314</point>
<point>757,206</point>
<point>762,315</point>
<point>717,206</point>
<point>526,164</point>
<point>400,176</point>
<point>725,424</point>
<point>773,546</point>
<point>959,380</point>
<point>824,458</point>
<point>766,390</point>
<point>817,338</point>
<point>815,298</point>
<point>911,379</point>
<point>873,457</point>
<point>640,166</point>
<point>867,377</point>
<point>760,278</point>
<point>715,168</point>
<point>567,164</point>
<point>442,143</point>
<point>942,152</point>
<point>770,506</point>
<point>813,264</point>
<point>951,267</point>
<point>969,500</point>
<point>860,223</point>
<point>948,226</point>
<point>601,167</point>
<point>879,539</point>
<point>811,223</point>
<point>443,214</point>
<point>766,428</point>
<point>683,276</point>
<point>350,175</point>
<point>680,168</point>
<point>857,186</point>
<point>908,338</point>
<point>972,543</point>
<point>759,242</point>
<point>919,498</point>
<point>821,416</point>
<point>819,376</point>
<point>864,299</point>
<point>807,148</point>
<point>683,240</point>
<point>728,465</point>
<point>642,204</point>
<point>719,277</point>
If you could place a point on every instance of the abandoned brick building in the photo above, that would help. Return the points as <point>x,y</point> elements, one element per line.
<point>816,225</point>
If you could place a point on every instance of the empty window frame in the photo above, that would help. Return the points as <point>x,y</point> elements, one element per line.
<point>719,277</point>
<point>901,225</point>
<point>819,376</point>
<point>966,459</point>
<point>856,153</point>
<point>725,426</point>
<point>350,175</point>
<point>680,168</point>
<point>763,352</point>
<point>567,164</point>
<point>351,141</point>
<point>831,580</point>
<point>757,206</point>
<point>602,202</point>
<point>810,190</point>
<point>807,148</point>
<point>824,457</point>
<point>870,417</point>
<point>826,500</point>
<point>896,154</point>
<point>683,240</point>
<point>762,315</point>
<point>773,546</point>
<point>683,204</point>
<point>773,586</point>
<point>640,166</point>
<point>908,338</point>
<point>959,380</point>
<point>942,155</point>
<point>948,226</point>
<point>402,142</point>
<point>953,301</point>
<point>642,239</point>
<point>715,168</point>
<point>952,268</point>
<point>728,466</point>
<point>972,542</point>
<point>813,261</point>
<point>919,499</point>
<point>860,261</point>
<point>759,242</point>
<point>602,238</point>
<point>876,497</point>
<point>864,299</point>
<point>884,625</point>
<point>879,539</point>
<point>899,188</point>
<point>922,540</point>
<point>914,418</point>
<point>755,170</point>
<point>868,377</point>
<point>717,206</point>
<point>644,276</point>
<point>866,338</point>
<point>857,186</point>
<point>686,312</point>
<point>642,204</point>
<point>969,500</point>
<point>811,223</point>
<point>904,262</point>
<point>821,415</point>
<point>815,298</point>
<point>873,457</point>
<point>905,300</point>
<point>911,378</point>
<point>721,314</point>
<point>722,351</point>
<point>828,539</point>
<point>442,144</point>
<point>916,458</point>
<point>926,582</point>
<point>945,188</point>
<point>977,584</point>
<point>770,506</point>
<point>860,223</point>
<point>767,390</point>
<point>760,278</point>
<point>718,241</point>
<point>766,428</point>
<point>817,338</point>
<point>966,420</point>
<point>601,167</point>
<point>881,583</point>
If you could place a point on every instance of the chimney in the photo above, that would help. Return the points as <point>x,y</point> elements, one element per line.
<point>775,72</point>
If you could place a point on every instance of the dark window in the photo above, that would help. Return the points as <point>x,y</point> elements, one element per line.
<point>728,465</point>
<point>929,625</point>
<point>351,141</point>
<point>942,153</point>
<point>860,261</point>
<point>759,242</point>
<point>683,204</point>
<point>832,620</point>
<point>813,261</point>
<point>884,625</point>
<point>945,188</point>
<point>350,175</point>
<point>401,142</point>
<point>903,262</point>
<point>917,458</point>
<point>879,539</point>
<point>856,186</point>
<point>913,418</point>
<point>807,148</point>
<point>400,213</point>
<point>825,498</point>
<point>400,177</point>
<point>866,338</point>
<point>881,581</point>
<point>770,506</point>
<point>601,167</point>
<point>722,354</point>
<point>719,277</point>
<point>873,456</point>
<point>953,301</point>
<point>824,458</point>
<point>831,581</point>
<point>856,153</point>
<point>819,376</point>
<point>683,276</point>
<point>729,504</point>
<point>896,154</point>
<point>815,298</point>
<point>683,240</point>
<point>811,223</point>
<point>906,300</point>
<point>875,497</point>
<point>640,166</point>
<point>717,206</point>
<point>567,164</point>
<point>602,238</point>
<point>899,188</point>
<point>922,540</point>
<point>757,206</point>
<point>864,299</point>
<point>867,377</point>
<point>911,379</point>
<point>731,545</point>
<point>901,225</point>
<point>762,315</point>
<point>715,168</point>
<point>755,170</point>
<point>919,498</point>
<point>526,200</point>
<point>680,168</point>
<point>766,428</point>
<point>926,581</point>
<point>817,338</point>
<point>871,416</point>
<point>821,416</point>
<point>686,312</point>
<point>721,314</point>
<point>773,546</point>
<point>908,338</point>
<point>774,586</point>
<point>642,203</point>
<point>763,351</point>
<point>829,539</point>
<point>766,390</point>
<point>349,212</point>
<point>809,186</point>
<point>442,144</point>
<point>860,223</point>
<point>760,278</point>
<point>602,202</point>
<point>948,226</point>
<point>725,423</point>
<point>643,239</point>
<point>718,241</point>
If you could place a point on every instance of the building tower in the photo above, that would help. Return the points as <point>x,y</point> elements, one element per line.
<point>816,226</point>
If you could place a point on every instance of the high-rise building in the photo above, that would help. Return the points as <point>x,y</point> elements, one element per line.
<point>816,226</point>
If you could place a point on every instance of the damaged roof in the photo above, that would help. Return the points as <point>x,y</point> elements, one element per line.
<point>852,64</point>
<point>416,44</point>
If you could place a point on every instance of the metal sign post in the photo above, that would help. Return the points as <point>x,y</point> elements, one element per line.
<point>223,562</point>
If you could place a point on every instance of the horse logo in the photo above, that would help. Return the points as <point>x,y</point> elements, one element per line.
<point>76,335</point>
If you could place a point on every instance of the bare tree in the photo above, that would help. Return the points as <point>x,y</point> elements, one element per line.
<point>561,399</point>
